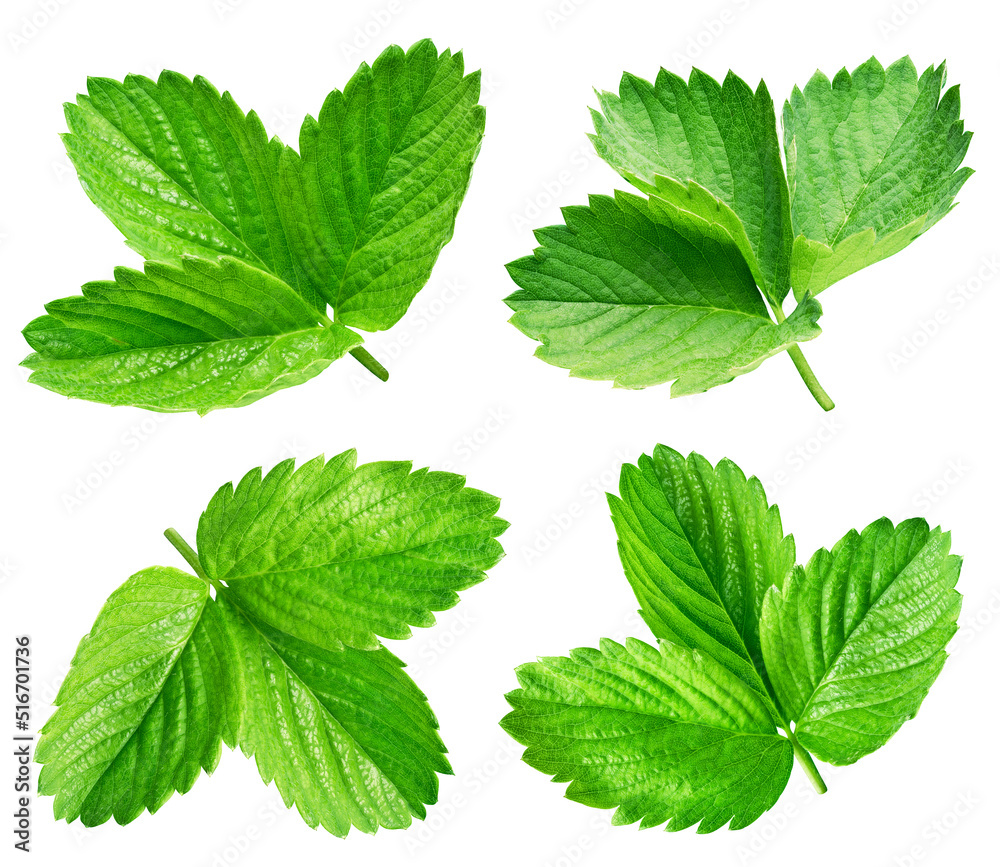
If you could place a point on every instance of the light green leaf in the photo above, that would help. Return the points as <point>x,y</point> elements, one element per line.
<point>145,705</point>
<point>701,547</point>
<point>339,554</point>
<point>855,640</point>
<point>874,160</point>
<point>303,564</point>
<point>664,735</point>
<point>356,222</point>
<point>181,171</point>
<point>709,148</point>
<point>640,294</point>
<point>345,735</point>
<point>200,337</point>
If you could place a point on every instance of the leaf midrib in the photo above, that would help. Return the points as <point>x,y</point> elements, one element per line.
<point>847,638</point>
<point>290,671</point>
<point>360,227</point>
<point>183,645</point>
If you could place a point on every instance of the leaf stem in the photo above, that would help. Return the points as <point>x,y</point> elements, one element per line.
<point>802,366</point>
<point>189,554</point>
<point>808,765</point>
<point>370,362</point>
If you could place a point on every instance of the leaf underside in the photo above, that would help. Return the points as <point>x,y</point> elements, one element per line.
<point>668,136</point>
<point>874,160</point>
<point>641,296</point>
<point>168,673</point>
<point>350,225</point>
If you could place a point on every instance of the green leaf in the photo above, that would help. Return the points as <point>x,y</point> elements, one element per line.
<point>354,223</point>
<point>709,148</point>
<point>307,567</point>
<point>701,729</point>
<point>701,548</point>
<point>665,735</point>
<point>353,552</point>
<point>181,171</point>
<point>345,735</point>
<point>855,640</point>
<point>382,174</point>
<point>637,293</point>
<point>200,337</point>
<point>146,704</point>
<point>874,160</point>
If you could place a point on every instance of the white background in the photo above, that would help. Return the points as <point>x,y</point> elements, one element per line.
<point>911,438</point>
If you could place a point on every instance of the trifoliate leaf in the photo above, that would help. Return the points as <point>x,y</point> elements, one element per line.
<point>664,735</point>
<point>855,640</point>
<point>200,337</point>
<point>709,148</point>
<point>874,160</point>
<point>355,221</point>
<point>641,296</point>
<point>146,705</point>
<point>701,730</point>
<point>169,671</point>
<point>355,552</point>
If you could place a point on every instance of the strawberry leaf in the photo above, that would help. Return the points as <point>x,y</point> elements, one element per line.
<point>241,653</point>
<point>342,234</point>
<point>758,659</point>
<point>874,160</point>
<point>854,641</point>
